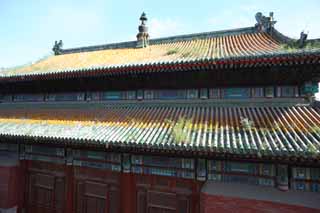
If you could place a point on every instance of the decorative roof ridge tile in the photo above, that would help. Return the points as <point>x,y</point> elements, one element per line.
<point>184,37</point>
<point>210,34</point>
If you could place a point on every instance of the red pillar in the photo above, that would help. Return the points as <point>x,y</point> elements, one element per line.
<point>196,198</point>
<point>22,185</point>
<point>9,186</point>
<point>69,189</point>
<point>127,194</point>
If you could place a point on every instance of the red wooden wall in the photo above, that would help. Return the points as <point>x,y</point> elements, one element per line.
<point>9,186</point>
<point>58,188</point>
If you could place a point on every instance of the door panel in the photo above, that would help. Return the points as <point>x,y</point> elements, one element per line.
<point>114,199</point>
<point>96,197</point>
<point>161,202</point>
<point>45,193</point>
<point>94,205</point>
<point>163,195</point>
<point>142,201</point>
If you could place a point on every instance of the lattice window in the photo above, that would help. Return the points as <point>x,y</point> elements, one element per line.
<point>140,94</point>
<point>214,93</point>
<point>214,170</point>
<point>282,174</point>
<point>126,163</point>
<point>204,93</point>
<point>44,153</point>
<point>171,94</point>
<point>113,95</point>
<point>97,159</point>
<point>269,92</point>
<point>72,96</point>
<point>241,172</point>
<point>249,168</point>
<point>8,147</point>
<point>306,179</point>
<point>131,95</point>
<point>235,93</point>
<point>149,94</point>
<point>315,187</point>
<point>192,94</point>
<point>287,91</point>
<point>166,166</point>
<point>93,96</point>
<point>299,173</point>
<point>6,97</point>
<point>44,150</point>
<point>268,171</point>
<point>201,169</point>
<point>257,92</point>
<point>28,97</point>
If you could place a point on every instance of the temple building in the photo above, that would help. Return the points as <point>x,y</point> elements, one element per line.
<point>221,121</point>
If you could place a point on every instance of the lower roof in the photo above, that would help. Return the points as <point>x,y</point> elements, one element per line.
<point>258,130</point>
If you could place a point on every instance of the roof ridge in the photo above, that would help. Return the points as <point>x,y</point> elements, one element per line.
<point>183,37</point>
<point>208,34</point>
<point>281,37</point>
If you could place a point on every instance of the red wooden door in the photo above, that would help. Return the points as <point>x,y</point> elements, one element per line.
<point>45,193</point>
<point>161,202</point>
<point>156,201</point>
<point>163,195</point>
<point>96,197</point>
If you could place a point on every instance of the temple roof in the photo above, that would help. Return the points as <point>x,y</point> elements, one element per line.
<point>284,131</point>
<point>233,46</point>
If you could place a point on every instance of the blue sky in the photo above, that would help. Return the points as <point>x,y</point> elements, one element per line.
<point>28,28</point>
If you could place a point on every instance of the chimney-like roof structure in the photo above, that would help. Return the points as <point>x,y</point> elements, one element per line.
<point>143,36</point>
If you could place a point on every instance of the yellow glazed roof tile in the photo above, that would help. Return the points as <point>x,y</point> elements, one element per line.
<point>190,49</point>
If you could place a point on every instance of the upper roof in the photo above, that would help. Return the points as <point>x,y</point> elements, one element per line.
<point>243,43</point>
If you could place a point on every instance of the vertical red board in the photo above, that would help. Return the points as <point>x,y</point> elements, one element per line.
<point>9,189</point>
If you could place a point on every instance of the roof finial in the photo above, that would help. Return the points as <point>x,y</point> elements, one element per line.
<point>57,47</point>
<point>143,18</point>
<point>265,24</point>
<point>143,36</point>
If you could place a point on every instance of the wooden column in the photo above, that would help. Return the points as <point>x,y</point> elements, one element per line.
<point>127,194</point>
<point>69,182</point>
<point>22,186</point>
<point>69,188</point>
